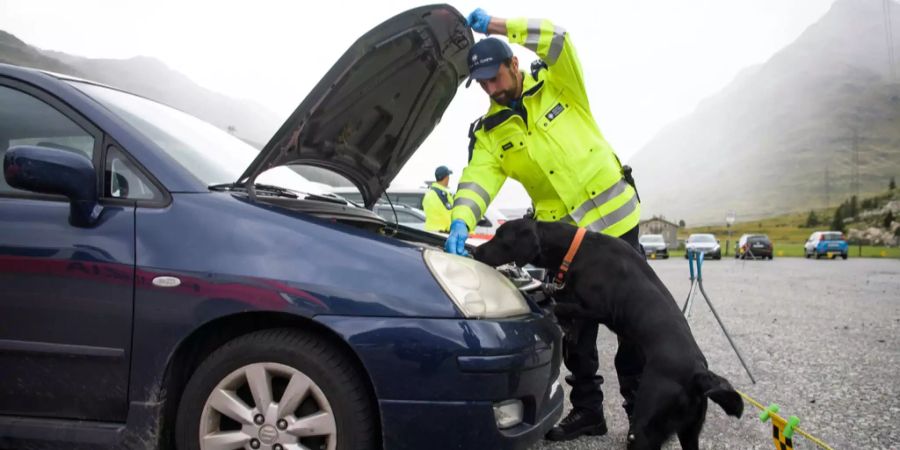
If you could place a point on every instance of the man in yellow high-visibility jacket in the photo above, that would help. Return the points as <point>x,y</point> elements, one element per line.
<point>540,131</point>
<point>438,202</point>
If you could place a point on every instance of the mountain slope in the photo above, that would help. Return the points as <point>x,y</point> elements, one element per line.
<point>153,79</point>
<point>762,146</point>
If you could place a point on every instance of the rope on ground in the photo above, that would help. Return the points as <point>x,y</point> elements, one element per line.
<point>782,429</point>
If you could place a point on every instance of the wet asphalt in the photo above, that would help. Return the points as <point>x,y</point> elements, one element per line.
<point>822,338</point>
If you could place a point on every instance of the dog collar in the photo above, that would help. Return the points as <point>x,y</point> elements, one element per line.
<point>570,255</point>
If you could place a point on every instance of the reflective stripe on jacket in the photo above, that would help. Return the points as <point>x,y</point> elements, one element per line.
<point>437,204</point>
<point>550,143</point>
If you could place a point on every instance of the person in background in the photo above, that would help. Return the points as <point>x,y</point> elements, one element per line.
<point>438,202</point>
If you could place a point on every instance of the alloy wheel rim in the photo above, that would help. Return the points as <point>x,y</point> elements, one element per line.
<point>267,406</point>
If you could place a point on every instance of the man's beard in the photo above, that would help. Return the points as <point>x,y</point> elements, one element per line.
<point>505,97</point>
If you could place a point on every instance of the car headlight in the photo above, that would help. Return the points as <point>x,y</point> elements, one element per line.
<point>477,289</point>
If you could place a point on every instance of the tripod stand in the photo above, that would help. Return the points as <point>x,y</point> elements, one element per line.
<point>697,283</point>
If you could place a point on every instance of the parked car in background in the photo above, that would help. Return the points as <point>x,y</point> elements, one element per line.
<point>754,246</point>
<point>703,243</point>
<point>166,285</point>
<point>654,246</point>
<point>483,232</point>
<point>402,214</point>
<point>826,244</point>
<point>409,197</point>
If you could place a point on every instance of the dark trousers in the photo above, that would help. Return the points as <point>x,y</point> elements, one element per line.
<point>580,357</point>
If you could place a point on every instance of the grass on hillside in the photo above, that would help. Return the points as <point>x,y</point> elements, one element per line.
<point>788,233</point>
<point>796,250</point>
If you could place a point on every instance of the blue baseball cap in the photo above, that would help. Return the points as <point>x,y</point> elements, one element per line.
<point>485,58</point>
<point>441,172</point>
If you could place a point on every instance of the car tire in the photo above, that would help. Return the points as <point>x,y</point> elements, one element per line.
<point>330,404</point>
<point>843,256</point>
<point>818,256</point>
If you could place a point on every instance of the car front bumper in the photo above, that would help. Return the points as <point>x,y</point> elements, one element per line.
<point>706,251</point>
<point>437,380</point>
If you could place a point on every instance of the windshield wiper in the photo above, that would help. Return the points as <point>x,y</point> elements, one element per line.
<point>223,186</point>
<point>263,188</point>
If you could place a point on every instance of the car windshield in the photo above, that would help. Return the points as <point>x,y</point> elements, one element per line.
<point>652,239</point>
<point>831,236</point>
<point>701,238</point>
<point>209,153</point>
<point>758,239</point>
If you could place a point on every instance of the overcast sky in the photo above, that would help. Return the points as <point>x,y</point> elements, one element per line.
<point>646,62</point>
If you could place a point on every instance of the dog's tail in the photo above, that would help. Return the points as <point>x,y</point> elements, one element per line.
<point>720,391</point>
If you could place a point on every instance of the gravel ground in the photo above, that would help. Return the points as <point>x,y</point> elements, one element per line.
<point>821,338</point>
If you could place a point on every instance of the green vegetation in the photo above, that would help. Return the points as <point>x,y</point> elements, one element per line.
<point>788,232</point>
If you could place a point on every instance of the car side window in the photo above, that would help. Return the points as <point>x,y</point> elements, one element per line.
<point>406,217</point>
<point>123,180</point>
<point>413,200</point>
<point>27,120</point>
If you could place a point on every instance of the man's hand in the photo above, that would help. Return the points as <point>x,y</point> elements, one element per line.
<point>456,242</point>
<point>479,20</point>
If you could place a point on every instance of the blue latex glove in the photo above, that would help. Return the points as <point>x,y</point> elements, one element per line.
<point>456,242</point>
<point>478,20</point>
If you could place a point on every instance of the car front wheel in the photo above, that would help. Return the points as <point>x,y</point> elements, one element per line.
<point>276,389</point>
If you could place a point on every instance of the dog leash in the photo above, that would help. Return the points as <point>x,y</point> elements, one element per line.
<point>782,429</point>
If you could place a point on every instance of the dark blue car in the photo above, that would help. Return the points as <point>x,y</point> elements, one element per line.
<point>162,284</point>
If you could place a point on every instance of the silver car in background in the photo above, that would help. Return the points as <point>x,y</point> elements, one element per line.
<point>703,243</point>
<point>654,246</point>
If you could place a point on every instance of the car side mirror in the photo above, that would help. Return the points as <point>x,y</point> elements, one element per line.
<point>59,172</point>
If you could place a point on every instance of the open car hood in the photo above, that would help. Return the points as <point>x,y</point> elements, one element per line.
<point>376,105</point>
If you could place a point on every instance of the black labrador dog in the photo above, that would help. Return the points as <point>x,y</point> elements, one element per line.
<point>610,282</point>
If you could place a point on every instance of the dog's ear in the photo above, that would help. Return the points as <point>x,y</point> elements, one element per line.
<point>527,245</point>
<point>720,391</point>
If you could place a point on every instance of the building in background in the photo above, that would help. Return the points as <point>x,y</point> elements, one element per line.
<point>659,225</point>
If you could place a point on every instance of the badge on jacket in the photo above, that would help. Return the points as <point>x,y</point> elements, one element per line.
<point>555,112</point>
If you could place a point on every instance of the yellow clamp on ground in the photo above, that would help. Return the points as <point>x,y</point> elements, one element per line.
<point>782,429</point>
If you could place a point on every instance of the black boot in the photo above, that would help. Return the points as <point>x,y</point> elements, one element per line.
<point>578,422</point>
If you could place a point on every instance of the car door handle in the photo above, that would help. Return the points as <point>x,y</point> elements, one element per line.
<point>166,281</point>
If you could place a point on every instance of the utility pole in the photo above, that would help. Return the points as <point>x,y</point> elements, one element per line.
<point>854,181</point>
<point>889,39</point>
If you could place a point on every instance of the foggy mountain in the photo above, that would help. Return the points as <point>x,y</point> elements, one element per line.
<point>152,79</point>
<point>787,135</point>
